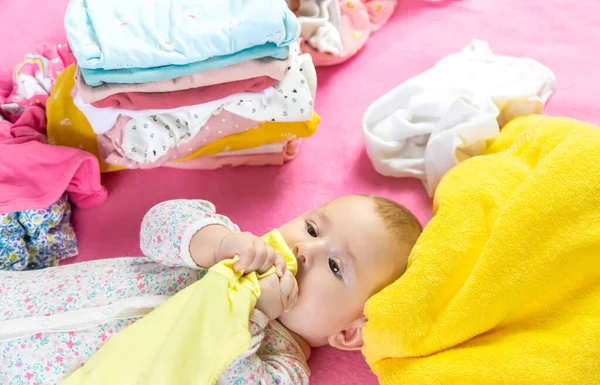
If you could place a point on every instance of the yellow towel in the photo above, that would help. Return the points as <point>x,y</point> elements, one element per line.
<point>503,286</point>
<point>189,340</point>
<point>67,126</point>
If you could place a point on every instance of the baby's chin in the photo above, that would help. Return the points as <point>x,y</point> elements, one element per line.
<point>286,321</point>
<point>294,321</point>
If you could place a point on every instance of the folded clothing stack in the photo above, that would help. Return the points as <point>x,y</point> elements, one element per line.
<point>200,84</point>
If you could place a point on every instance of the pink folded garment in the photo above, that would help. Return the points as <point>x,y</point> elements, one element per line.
<point>270,67</point>
<point>181,98</point>
<point>360,18</point>
<point>218,126</point>
<point>34,175</point>
<point>289,150</point>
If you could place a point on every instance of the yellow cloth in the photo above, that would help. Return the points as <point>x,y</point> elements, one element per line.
<point>79,134</point>
<point>189,340</point>
<point>503,286</point>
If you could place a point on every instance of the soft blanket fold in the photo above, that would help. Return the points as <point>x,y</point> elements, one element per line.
<point>503,287</point>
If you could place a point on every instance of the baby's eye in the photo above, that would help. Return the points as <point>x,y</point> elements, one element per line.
<point>335,269</point>
<point>310,229</point>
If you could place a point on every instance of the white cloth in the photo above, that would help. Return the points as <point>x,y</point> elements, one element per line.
<point>430,123</point>
<point>320,21</point>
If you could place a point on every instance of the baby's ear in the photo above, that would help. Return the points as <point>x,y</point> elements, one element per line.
<point>349,338</point>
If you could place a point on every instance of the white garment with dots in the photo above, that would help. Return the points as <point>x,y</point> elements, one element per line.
<point>293,99</point>
<point>432,122</point>
<point>148,138</point>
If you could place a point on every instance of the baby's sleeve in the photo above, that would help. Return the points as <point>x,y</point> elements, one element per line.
<point>272,358</point>
<point>168,228</point>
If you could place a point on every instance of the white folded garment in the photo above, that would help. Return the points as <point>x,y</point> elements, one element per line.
<point>430,123</point>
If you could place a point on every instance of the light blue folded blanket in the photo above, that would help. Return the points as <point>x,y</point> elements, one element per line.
<point>142,75</point>
<point>128,34</point>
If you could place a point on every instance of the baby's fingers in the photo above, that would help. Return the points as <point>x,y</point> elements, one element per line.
<point>245,260</point>
<point>269,261</point>
<point>260,256</point>
<point>280,265</point>
<point>289,290</point>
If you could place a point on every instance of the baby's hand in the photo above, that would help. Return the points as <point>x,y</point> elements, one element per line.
<point>278,295</point>
<point>255,254</point>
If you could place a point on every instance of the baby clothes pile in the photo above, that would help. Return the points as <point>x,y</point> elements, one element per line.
<point>201,84</point>
<point>33,78</point>
<point>335,30</point>
<point>38,184</point>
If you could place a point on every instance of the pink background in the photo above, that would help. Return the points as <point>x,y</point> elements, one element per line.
<point>563,34</point>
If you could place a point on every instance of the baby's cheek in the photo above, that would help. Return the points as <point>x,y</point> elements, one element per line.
<point>321,298</point>
<point>330,309</point>
<point>312,306</point>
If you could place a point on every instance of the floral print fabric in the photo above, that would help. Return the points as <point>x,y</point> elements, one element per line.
<point>48,355</point>
<point>34,239</point>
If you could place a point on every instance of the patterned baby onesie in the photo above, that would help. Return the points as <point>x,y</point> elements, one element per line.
<point>53,320</point>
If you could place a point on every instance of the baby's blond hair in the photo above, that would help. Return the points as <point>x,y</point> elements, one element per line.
<point>401,224</point>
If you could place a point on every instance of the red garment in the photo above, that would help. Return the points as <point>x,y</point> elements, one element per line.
<point>34,175</point>
<point>189,97</point>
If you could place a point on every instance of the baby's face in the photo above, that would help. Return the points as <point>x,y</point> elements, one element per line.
<point>345,255</point>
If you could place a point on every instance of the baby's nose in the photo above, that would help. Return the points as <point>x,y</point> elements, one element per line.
<point>307,252</point>
<point>300,253</point>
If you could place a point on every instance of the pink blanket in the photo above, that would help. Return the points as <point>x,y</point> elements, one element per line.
<point>562,34</point>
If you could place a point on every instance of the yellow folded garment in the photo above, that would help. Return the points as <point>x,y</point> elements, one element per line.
<point>190,339</point>
<point>503,286</point>
<point>78,133</point>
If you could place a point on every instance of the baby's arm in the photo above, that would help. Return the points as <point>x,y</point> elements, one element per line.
<point>280,361</point>
<point>169,227</point>
<point>190,233</point>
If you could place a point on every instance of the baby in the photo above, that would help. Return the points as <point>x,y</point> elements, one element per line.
<point>53,320</point>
